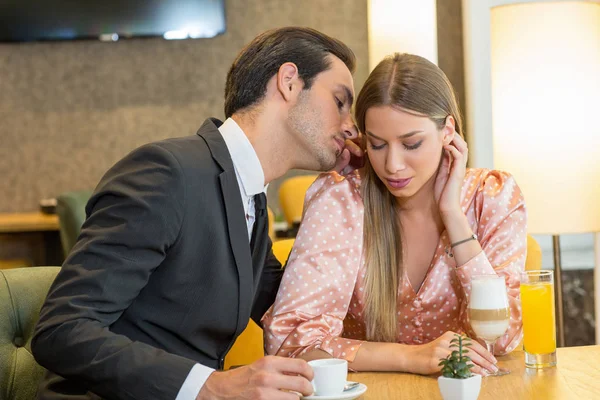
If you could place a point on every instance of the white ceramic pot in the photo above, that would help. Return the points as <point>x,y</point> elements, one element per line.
<point>460,389</point>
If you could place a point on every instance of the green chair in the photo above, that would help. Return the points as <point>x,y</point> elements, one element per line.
<point>22,293</point>
<point>70,208</point>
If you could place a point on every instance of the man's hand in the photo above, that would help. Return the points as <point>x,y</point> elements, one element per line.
<point>268,378</point>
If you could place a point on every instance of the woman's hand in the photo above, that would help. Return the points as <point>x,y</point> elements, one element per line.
<point>352,157</point>
<point>424,359</point>
<point>450,177</point>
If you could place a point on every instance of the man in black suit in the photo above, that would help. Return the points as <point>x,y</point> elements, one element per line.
<point>174,256</point>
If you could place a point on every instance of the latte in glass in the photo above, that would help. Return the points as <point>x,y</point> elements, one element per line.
<point>488,307</point>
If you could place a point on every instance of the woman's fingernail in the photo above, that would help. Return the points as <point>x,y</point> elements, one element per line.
<point>494,368</point>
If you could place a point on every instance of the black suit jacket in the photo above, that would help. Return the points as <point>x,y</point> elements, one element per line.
<point>160,278</point>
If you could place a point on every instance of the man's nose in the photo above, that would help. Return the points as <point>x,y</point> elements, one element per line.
<point>350,129</point>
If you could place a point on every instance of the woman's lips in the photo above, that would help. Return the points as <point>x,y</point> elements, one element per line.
<point>399,183</point>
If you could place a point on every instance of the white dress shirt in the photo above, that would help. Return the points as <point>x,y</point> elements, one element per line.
<point>251,179</point>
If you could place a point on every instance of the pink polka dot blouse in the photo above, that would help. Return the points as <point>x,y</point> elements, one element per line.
<point>320,303</point>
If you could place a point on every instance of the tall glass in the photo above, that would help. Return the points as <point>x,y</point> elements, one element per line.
<point>489,313</point>
<point>539,329</point>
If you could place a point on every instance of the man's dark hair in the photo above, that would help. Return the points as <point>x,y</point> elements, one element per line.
<point>260,60</point>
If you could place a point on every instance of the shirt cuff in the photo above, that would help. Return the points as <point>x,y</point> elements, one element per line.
<point>340,347</point>
<point>193,383</point>
<point>478,265</point>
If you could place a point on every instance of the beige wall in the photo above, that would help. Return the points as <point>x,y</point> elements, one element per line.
<point>69,110</point>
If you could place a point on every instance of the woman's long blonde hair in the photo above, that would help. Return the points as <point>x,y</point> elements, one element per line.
<point>413,84</point>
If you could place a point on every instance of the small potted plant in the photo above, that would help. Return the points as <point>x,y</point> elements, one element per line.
<point>457,381</point>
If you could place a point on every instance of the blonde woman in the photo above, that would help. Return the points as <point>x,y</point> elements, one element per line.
<point>380,271</point>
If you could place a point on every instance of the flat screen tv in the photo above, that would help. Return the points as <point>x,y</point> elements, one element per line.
<point>110,20</point>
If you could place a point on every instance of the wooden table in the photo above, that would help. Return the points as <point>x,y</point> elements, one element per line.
<point>27,222</point>
<point>577,376</point>
<point>29,238</point>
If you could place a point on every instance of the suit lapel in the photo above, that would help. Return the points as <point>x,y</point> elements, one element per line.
<point>234,214</point>
<point>238,237</point>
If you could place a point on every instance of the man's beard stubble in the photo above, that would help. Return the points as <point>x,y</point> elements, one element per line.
<point>305,123</point>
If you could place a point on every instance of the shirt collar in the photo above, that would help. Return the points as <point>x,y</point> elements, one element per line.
<point>245,160</point>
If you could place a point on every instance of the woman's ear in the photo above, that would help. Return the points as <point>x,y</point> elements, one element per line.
<point>289,84</point>
<point>449,130</point>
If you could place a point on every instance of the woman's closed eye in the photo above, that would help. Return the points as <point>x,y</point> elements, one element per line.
<point>407,146</point>
<point>413,146</point>
<point>376,146</point>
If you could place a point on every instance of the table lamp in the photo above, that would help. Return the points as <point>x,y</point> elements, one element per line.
<point>545,102</point>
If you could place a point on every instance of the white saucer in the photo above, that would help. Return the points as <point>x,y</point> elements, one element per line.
<point>347,395</point>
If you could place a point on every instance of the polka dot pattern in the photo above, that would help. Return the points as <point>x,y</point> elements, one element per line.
<point>320,304</point>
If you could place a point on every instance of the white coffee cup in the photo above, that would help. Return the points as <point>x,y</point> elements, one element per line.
<point>329,376</point>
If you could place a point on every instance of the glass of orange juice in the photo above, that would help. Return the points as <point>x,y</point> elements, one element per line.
<point>539,329</point>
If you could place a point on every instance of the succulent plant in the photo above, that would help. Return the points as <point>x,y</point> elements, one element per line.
<point>456,365</point>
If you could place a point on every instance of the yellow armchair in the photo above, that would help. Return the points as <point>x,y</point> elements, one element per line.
<point>249,346</point>
<point>291,196</point>
<point>271,223</point>
<point>282,249</point>
<point>534,255</point>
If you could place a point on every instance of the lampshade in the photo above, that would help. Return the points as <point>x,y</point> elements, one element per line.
<point>545,70</point>
<point>404,26</point>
